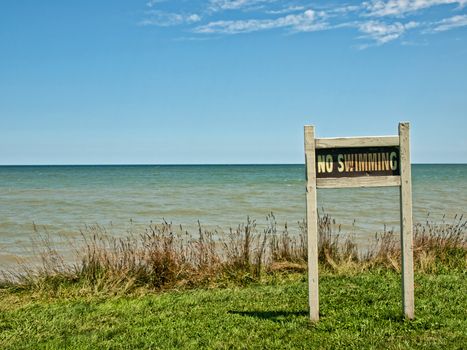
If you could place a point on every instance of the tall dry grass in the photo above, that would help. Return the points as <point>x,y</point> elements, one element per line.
<point>436,246</point>
<point>167,257</point>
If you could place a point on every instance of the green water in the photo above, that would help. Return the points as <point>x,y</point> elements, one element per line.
<point>65,198</point>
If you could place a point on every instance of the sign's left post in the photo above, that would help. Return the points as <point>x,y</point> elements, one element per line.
<point>312,222</point>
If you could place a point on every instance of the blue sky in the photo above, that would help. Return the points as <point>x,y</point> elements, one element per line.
<point>217,81</point>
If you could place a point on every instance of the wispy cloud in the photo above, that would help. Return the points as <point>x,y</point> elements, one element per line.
<point>166,19</point>
<point>380,8</point>
<point>219,5</point>
<point>451,23</point>
<point>306,21</point>
<point>285,10</point>
<point>377,21</point>
<point>383,33</point>
<point>152,3</point>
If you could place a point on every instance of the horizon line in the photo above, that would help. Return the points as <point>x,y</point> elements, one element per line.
<point>184,164</point>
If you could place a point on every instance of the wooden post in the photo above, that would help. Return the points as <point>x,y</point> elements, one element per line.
<point>406,223</point>
<point>312,222</point>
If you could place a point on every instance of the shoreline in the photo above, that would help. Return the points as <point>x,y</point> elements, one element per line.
<point>165,257</point>
<point>63,240</point>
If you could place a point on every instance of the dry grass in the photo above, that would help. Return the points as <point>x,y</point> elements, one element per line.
<point>164,257</point>
<point>436,246</point>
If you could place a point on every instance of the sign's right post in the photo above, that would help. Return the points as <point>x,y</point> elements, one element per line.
<point>406,222</point>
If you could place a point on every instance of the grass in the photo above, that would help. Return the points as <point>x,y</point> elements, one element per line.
<point>361,311</point>
<point>165,288</point>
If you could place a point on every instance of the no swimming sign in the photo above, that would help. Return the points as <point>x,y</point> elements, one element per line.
<point>353,162</point>
<point>342,162</point>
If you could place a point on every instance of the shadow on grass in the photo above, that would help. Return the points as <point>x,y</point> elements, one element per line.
<point>270,315</point>
<point>281,315</point>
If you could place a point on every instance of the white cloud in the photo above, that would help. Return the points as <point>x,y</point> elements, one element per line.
<point>347,8</point>
<point>152,3</point>
<point>451,23</point>
<point>219,5</point>
<point>166,19</point>
<point>381,8</point>
<point>383,33</point>
<point>284,10</point>
<point>193,18</point>
<point>306,21</point>
<point>378,21</point>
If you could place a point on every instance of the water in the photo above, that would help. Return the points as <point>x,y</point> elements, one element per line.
<point>65,198</point>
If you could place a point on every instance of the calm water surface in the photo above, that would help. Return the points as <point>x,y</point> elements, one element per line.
<point>65,198</point>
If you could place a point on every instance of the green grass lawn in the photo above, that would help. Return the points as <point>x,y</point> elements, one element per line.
<point>360,311</point>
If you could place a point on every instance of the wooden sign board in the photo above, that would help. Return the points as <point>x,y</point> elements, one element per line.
<point>353,162</point>
<point>359,162</point>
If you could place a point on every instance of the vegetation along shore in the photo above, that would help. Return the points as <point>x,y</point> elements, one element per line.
<point>167,288</point>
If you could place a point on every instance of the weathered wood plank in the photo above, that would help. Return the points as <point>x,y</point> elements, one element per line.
<point>312,223</point>
<point>406,223</point>
<point>373,141</point>
<point>363,181</point>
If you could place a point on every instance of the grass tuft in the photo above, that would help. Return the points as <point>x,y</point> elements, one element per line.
<point>165,257</point>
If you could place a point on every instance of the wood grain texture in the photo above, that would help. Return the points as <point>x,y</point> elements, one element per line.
<point>406,223</point>
<point>363,181</point>
<point>312,222</point>
<point>371,141</point>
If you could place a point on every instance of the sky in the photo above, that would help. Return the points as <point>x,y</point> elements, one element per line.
<point>218,81</point>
